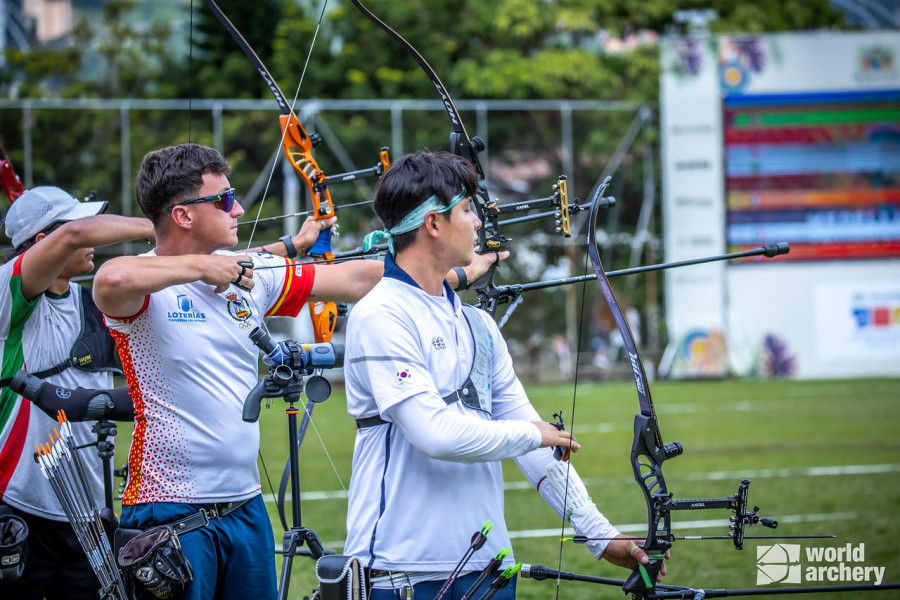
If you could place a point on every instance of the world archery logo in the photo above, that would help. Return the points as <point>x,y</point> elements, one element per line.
<point>238,308</point>
<point>778,564</point>
<point>403,375</point>
<point>834,564</point>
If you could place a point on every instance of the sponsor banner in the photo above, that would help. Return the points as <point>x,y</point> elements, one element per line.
<point>807,156</point>
<point>792,62</point>
<point>857,322</point>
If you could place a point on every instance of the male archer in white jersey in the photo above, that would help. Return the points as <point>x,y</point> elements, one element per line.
<point>431,385</point>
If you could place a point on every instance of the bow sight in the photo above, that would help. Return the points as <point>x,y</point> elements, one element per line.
<point>288,362</point>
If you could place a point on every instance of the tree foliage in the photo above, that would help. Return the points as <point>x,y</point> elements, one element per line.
<point>503,49</point>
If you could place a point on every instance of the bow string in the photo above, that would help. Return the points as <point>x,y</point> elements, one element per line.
<point>297,146</point>
<point>490,238</point>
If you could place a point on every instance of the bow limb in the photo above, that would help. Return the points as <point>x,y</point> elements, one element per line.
<point>296,143</point>
<point>647,451</point>
<point>297,146</point>
<point>468,147</point>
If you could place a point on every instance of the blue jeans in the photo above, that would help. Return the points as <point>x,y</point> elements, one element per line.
<point>427,590</point>
<point>233,557</point>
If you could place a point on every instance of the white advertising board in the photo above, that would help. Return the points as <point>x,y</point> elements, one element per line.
<point>794,136</point>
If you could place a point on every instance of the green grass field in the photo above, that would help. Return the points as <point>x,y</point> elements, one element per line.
<point>823,456</point>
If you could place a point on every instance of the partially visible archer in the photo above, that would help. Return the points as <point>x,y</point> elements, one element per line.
<point>9,181</point>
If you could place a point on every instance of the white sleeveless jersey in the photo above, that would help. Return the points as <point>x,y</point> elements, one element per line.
<point>190,364</point>
<point>37,335</point>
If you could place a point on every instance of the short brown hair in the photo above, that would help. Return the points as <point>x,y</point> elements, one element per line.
<point>173,174</point>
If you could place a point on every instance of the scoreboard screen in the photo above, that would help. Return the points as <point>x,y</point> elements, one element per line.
<point>821,170</point>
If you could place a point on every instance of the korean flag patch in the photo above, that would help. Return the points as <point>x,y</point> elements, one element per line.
<point>403,375</point>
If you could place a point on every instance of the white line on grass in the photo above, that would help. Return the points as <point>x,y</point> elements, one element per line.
<point>681,526</point>
<point>640,528</point>
<point>710,476</point>
<point>683,408</point>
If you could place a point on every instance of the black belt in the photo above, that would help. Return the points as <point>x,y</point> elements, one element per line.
<point>202,517</point>
<point>378,573</point>
<point>370,422</point>
<point>466,389</point>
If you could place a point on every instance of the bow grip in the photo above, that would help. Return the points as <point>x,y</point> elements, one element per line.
<point>322,245</point>
<point>485,280</point>
<point>643,578</point>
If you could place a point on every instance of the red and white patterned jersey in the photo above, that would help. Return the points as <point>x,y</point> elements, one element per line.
<point>190,364</point>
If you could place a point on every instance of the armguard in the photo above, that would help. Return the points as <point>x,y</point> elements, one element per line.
<point>577,502</point>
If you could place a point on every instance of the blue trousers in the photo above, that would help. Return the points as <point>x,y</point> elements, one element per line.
<point>427,590</point>
<point>233,557</point>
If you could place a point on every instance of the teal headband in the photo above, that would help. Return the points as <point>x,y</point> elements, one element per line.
<point>412,221</point>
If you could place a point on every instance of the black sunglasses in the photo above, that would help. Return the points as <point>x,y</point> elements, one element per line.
<point>224,201</point>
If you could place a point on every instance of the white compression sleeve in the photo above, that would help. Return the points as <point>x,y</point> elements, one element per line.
<point>563,489</point>
<point>438,431</point>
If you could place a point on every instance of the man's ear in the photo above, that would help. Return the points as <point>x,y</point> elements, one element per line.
<point>181,218</point>
<point>432,223</point>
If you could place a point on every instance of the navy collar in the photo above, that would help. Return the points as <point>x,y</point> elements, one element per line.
<point>393,271</point>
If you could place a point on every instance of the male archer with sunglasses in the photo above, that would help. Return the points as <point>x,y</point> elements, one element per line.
<point>181,316</point>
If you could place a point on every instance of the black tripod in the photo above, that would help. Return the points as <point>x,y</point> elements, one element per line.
<point>105,450</point>
<point>288,363</point>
